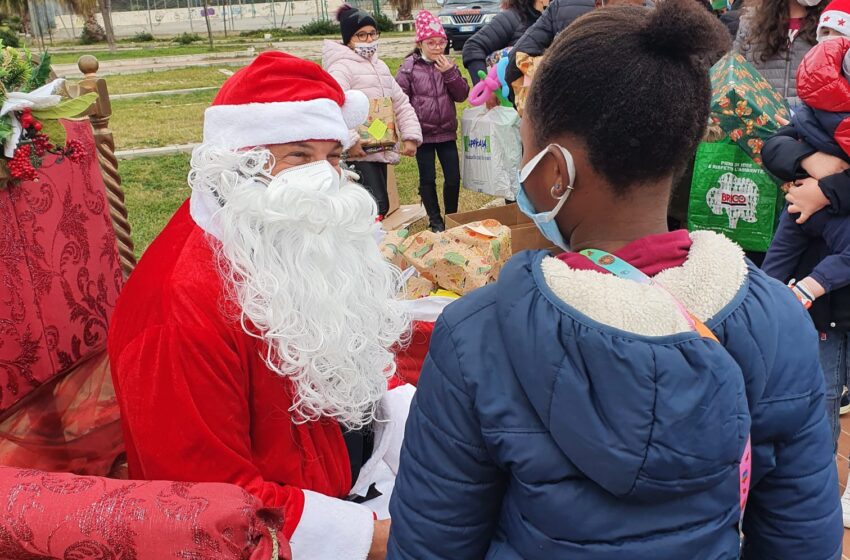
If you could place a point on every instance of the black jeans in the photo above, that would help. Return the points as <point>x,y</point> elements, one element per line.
<point>447,152</point>
<point>373,176</point>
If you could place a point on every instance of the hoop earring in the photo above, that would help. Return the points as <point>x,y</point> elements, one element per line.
<point>553,191</point>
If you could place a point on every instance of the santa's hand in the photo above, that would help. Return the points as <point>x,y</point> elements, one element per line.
<point>806,199</point>
<point>380,536</point>
<point>820,165</point>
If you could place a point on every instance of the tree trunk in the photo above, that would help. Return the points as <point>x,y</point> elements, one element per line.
<point>404,9</point>
<point>92,29</point>
<point>207,18</point>
<point>106,12</point>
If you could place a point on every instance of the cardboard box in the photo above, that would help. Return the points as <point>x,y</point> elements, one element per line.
<point>524,234</point>
<point>399,216</point>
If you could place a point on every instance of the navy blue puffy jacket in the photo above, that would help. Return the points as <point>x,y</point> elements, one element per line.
<point>539,431</point>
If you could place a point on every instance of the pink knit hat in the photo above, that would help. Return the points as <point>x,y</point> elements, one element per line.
<point>428,27</point>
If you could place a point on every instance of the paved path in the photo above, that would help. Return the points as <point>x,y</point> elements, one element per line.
<point>396,47</point>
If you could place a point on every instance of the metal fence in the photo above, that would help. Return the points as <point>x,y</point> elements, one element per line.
<point>173,17</point>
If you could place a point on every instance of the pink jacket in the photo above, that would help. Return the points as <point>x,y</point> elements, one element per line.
<point>373,78</point>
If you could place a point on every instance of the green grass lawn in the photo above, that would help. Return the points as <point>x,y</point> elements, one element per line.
<point>179,78</point>
<point>159,120</point>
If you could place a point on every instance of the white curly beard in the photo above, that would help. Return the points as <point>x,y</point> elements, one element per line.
<point>306,272</point>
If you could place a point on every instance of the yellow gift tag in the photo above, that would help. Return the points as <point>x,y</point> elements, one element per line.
<point>377,129</point>
<point>445,293</point>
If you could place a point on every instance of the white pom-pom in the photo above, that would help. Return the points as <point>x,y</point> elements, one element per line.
<point>356,108</point>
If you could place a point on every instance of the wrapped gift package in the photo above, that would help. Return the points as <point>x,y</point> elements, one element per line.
<point>521,86</point>
<point>524,234</point>
<point>745,106</point>
<point>460,259</point>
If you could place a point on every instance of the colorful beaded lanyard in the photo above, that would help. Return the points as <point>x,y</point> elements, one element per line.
<point>621,269</point>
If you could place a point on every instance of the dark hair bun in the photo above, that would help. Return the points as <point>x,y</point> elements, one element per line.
<point>342,10</point>
<point>684,29</point>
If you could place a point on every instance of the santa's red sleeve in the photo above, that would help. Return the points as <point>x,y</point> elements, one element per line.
<point>410,358</point>
<point>186,413</point>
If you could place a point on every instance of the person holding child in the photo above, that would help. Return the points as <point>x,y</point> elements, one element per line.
<point>811,249</point>
<point>598,404</point>
<point>356,66</point>
<point>434,84</point>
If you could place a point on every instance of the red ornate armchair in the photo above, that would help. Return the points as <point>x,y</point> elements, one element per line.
<point>65,250</point>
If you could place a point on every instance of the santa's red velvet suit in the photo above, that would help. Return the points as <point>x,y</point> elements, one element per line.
<point>200,404</point>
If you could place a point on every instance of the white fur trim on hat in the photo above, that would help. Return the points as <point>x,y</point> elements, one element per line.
<point>262,124</point>
<point>834,19</point>
<point>356,108</point>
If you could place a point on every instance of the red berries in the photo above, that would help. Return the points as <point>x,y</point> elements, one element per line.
<point>20,166</point>
<point>75,151</point>
<point>34,146</point>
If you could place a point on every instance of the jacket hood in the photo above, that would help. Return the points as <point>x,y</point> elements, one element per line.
<point>821,84</point>
<point>334,51</point>
<point>639,403</point>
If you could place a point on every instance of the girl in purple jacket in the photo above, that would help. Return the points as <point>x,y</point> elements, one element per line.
<point>434,84</point>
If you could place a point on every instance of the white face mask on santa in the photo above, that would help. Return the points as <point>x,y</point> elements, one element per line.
<point>320,174</point>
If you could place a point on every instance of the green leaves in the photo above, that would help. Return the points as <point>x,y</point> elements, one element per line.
<point>5,127</point>
<point>66,109</point>
<point>40,73</point>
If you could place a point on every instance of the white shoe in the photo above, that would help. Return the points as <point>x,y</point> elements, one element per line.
<point>845,508</point>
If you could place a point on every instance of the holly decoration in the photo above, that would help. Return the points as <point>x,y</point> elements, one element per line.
<point>34,145</point>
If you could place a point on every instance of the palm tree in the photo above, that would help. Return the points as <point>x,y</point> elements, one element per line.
<point>16,8</point>
<point>404,8</point>
<point>87,9</point>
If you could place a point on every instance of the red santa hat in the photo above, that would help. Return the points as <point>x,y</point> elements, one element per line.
<point>279,98</point>
<point>836,16</point>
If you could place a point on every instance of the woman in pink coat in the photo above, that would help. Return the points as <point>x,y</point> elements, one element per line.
<point>355,65</point>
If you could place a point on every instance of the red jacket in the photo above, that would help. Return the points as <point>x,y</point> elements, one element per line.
<point>822,86</point>
<point>199,404</point>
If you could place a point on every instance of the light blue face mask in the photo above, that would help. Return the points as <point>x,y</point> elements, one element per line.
<point>545,221</point>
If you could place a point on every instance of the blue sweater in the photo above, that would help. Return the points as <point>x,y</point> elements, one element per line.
<point>538,432</point>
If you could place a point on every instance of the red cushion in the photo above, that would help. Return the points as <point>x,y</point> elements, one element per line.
<point>69,517</point>
<point>59,270</point>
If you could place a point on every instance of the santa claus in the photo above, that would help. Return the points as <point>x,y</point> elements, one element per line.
<point>255,341</point>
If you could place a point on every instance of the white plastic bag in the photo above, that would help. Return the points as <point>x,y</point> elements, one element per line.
<point>491,151</point>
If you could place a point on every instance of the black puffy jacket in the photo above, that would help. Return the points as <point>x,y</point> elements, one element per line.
<point>504,31</point>
<point>539,36</point>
